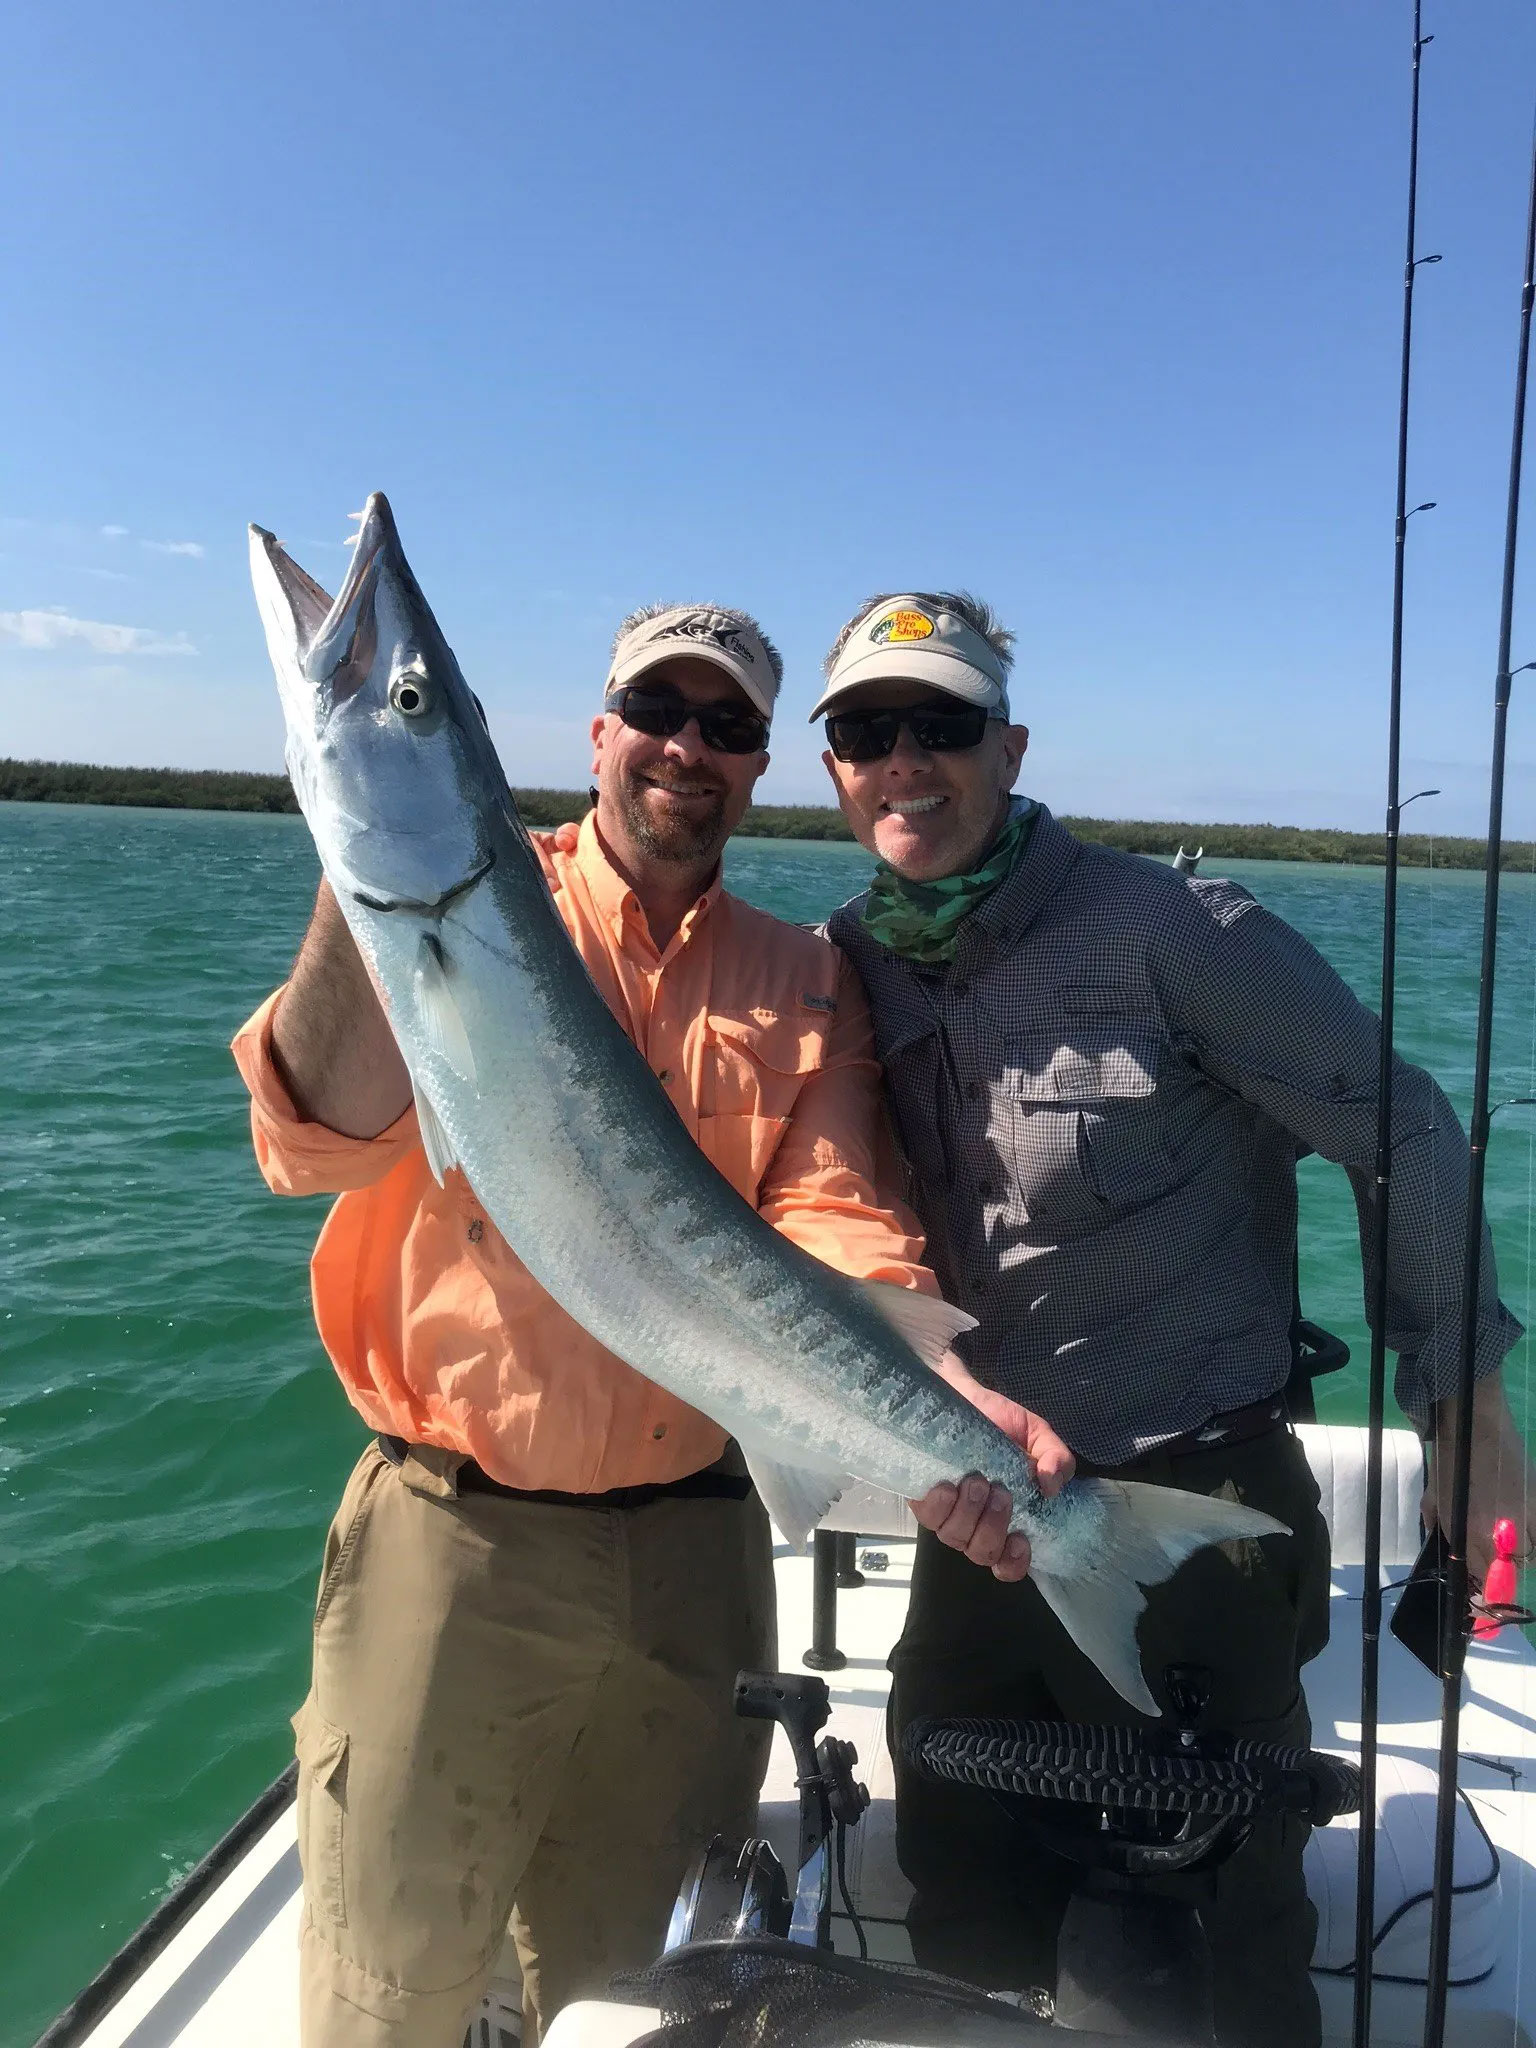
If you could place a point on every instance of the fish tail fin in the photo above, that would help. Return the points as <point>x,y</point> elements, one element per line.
<point>1144,1534</point>
<point>1100,1615</point>
<point>1181,1523</point>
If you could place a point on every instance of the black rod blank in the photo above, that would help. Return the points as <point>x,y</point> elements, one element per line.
<point>1370,1611</point>
<point>1457,1602</point>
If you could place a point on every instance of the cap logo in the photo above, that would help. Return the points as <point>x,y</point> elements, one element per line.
<point>719,631</point>
<point>900,627</point>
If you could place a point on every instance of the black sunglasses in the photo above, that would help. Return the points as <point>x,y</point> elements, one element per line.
<point>662,713</point>
<point>945,728</point>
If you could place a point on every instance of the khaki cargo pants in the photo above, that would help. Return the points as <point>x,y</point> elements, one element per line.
<point>515,1704</point>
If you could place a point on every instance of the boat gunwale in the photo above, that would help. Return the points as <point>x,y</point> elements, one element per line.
<point>151,1940</point>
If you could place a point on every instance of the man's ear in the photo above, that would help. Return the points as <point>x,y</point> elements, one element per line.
<point>1015,747</point>
<point>599,732</point>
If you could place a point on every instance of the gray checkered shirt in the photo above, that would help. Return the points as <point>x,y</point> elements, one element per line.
<point>1102,1101</point>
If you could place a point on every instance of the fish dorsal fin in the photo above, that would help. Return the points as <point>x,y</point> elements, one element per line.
<point>436,1142</point>
<point>437,1009</point>
<point>795,1495</point>
<point>928,1324</point>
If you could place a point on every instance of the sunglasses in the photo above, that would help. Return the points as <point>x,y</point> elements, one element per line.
<point>946,728</point>
<point>662,714</point>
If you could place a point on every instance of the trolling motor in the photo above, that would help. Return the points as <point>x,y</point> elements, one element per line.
<point>742,1951</point>
<point>736,1889</point>
<point>1147,1817</point>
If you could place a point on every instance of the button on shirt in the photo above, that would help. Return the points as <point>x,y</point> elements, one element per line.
<point>1103,1100</point>
<point>761,1036</point>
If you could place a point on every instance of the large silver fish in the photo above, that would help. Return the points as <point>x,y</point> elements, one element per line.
<point>526,1081</point>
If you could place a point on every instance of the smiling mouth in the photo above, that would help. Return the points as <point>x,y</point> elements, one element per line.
<point>439,904</point>
<point>674,789</point>
<point>912,806</point>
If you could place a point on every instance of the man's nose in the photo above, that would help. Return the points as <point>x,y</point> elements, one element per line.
<point>687,746</point>
<point>907,754</point>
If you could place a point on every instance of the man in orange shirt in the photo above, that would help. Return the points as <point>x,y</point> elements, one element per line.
<point>546,1572</point>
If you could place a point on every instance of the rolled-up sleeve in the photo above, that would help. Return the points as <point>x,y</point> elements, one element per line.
<point>301,1158</point>
<point>834,1185</point>
<point>1273,1022</point>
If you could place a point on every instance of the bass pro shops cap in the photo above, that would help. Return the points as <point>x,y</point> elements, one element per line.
<point>910,640</point>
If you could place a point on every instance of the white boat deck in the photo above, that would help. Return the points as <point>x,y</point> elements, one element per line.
<point>227,1979</point>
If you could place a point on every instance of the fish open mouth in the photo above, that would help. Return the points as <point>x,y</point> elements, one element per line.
<point>439,904</point>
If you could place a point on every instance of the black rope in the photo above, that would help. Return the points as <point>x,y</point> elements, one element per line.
<point>1462,1891</point>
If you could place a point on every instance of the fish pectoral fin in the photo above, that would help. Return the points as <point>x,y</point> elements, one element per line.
<point>928,1324</point>
<point>795,1495</point>
<point>437,1010</point>
<point>435,1140</point>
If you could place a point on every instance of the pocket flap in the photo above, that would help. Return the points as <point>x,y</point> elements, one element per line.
<point>783,1044</point>
<point>320,1747</point>
<point>1116,1060</point>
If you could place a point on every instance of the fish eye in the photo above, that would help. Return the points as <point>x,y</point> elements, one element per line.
<point>410,695</point>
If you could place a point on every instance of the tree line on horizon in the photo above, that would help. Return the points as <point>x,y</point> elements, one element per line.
<point>216,789</point>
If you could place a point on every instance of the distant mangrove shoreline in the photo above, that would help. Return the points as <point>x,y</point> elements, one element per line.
<point>213,789</point>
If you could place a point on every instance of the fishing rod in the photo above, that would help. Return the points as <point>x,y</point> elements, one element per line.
<point>1456,1605</point>
<point>1370,1612</point>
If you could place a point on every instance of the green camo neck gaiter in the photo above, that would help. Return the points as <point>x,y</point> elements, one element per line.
<point>921,920</point>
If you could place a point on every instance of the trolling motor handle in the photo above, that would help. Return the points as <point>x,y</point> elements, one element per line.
<point>802,1705</point>
<point>830,1795</point>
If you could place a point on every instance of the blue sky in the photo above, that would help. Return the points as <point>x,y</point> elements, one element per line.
<point>1089,305</point>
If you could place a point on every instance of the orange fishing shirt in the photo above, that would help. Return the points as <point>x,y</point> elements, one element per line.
<point>761,1036</point>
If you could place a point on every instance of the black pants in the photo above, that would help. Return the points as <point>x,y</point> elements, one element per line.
<point>988,1906</point>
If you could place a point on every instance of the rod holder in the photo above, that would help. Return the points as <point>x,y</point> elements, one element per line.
<point>824,1655</point>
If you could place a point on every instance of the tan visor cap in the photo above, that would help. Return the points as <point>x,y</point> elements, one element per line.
<point>908,640</point>
<point>721,637</point>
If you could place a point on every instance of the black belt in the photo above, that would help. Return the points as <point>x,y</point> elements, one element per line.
<point>1237,1426</point>
<point>715,1482</point>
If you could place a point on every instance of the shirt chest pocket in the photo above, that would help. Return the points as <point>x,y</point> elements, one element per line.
<point>751,1079</point>
<point>1079,1109</point>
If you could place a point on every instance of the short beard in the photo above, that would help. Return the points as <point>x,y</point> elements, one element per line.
<point>685,840</point>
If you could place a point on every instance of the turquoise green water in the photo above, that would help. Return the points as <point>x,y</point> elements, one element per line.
<point>172,1440</point>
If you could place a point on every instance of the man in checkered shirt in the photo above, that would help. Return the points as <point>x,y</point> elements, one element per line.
<point>1103,1073</point>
